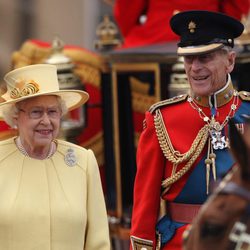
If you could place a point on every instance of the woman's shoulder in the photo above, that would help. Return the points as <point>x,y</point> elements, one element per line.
<point>75,154</point>
<point>65,145</point>
<point>7,147</point>
<point>67,148</point>
<point>7,142</point>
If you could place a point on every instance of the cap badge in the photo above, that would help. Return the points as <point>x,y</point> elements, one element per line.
<point>192,27</point>
<point>24,89</point>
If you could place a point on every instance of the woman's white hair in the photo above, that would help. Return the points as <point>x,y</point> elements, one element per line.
<point>10,111</point>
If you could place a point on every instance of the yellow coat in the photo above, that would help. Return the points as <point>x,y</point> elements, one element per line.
<point>48,205</point>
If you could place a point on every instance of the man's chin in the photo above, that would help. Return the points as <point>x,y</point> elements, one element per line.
<point>201,92</point>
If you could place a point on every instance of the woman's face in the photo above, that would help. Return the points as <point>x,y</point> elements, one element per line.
<point>38,121</point>
<point>207,73</point>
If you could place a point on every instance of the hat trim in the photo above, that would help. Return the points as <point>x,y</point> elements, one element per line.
<point>195,50</point>
<point>80,97</point>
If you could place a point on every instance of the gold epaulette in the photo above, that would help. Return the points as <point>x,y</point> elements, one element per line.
<point>176,99</point>
<point>244,95</point>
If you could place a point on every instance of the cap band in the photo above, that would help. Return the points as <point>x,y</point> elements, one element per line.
<point>195,50</point>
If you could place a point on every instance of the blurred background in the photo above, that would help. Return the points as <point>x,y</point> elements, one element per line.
<point>73,21</point>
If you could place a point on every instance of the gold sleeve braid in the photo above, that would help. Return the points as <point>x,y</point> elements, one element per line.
<point>139,244</point>
<point>175,156</point>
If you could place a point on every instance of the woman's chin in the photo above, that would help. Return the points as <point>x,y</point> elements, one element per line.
<point>43,140</point>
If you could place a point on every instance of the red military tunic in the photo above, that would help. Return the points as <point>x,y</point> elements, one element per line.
<point>183,123</point>
<point>156,29</point>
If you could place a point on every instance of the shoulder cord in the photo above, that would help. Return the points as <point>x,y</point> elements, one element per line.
<point>175,156</point>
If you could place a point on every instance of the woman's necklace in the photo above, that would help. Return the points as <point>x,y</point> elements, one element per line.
<point>216,140</point>
<point>24,152</point>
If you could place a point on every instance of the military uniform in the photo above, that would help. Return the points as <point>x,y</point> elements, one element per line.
<point>173,150</point>
<point>156,28</point>
<point>184,145</point>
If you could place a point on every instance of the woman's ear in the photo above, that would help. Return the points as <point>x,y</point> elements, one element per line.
<point>14,119</point>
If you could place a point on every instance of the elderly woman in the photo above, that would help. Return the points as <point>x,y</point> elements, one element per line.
<point>50,189</point>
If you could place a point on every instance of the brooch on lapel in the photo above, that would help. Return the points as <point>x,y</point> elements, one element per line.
<point>70,158</point>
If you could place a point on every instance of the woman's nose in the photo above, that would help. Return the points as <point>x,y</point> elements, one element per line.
<point>45,118</point>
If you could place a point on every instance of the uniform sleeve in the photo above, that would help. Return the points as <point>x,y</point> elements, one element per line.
<point>147,188</point>
<point>97,233</point>
<point>235,8</point>
<point>127,13</point>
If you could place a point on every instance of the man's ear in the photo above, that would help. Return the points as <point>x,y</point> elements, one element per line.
<point>231,61</point>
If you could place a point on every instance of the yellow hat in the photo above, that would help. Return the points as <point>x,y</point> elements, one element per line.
<point>37,80</point>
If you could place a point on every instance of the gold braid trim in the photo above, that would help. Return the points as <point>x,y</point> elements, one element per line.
<point>175,156</point>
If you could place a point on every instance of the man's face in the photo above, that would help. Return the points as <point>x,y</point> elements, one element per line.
<point>207,73</point>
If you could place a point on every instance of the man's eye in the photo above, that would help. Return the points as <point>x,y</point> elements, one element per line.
<point>206,57</point>
<point>188,59</point>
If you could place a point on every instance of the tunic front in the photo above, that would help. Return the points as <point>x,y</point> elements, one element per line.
<point>183,123</point>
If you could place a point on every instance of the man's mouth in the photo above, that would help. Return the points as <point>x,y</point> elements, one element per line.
<point>200,78</point>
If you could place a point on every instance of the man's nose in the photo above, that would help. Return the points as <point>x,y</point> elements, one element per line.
<point>196,64</point>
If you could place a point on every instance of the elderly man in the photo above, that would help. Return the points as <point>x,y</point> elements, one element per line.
<point>184,144</point>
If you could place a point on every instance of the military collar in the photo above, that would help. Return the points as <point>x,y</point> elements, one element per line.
<point>219,98</point>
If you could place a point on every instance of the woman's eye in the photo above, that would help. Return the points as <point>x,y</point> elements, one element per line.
<point>52,111</point>
<point>36,112</point>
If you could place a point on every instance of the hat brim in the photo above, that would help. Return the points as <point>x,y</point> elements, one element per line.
<point>197,50</point>
<point>72,98</point>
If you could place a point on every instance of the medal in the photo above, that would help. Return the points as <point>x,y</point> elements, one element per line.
<point>217,139</point>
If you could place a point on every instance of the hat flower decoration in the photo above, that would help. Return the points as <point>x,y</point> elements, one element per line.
<point>24,89</point>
